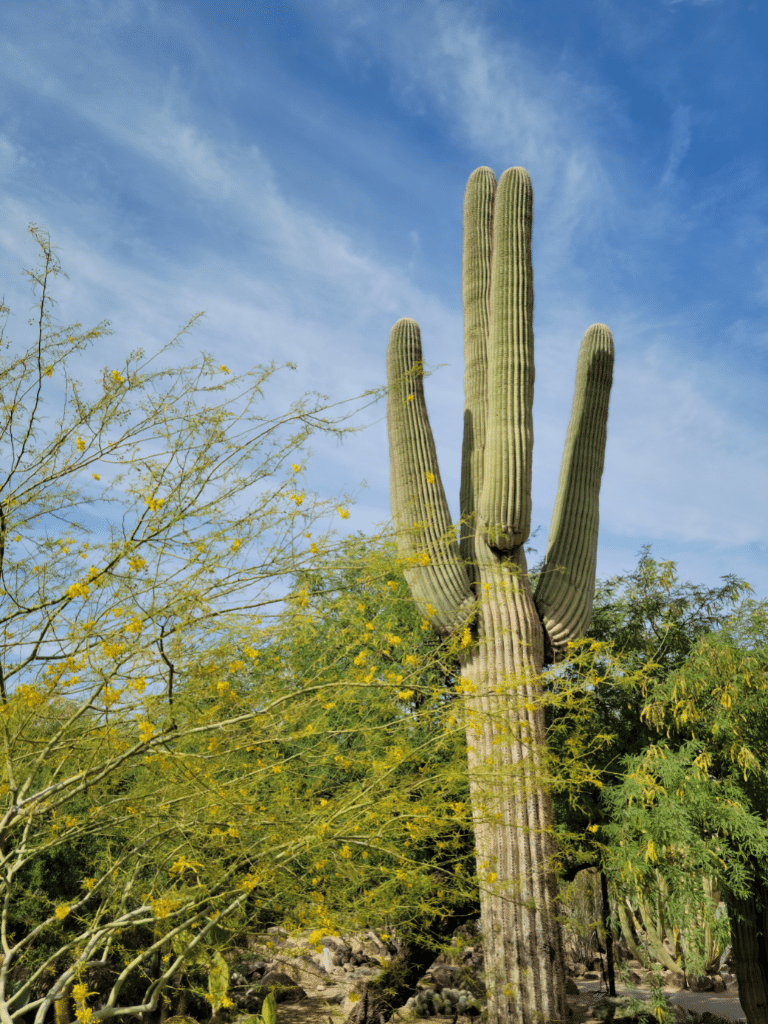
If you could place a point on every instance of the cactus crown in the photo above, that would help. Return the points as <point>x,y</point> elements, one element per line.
<point>498,433</point>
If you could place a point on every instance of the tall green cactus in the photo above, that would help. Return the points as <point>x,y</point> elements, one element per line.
<point>480,585</point>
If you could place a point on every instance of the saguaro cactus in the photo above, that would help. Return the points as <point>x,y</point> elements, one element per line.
<point>480,584</point>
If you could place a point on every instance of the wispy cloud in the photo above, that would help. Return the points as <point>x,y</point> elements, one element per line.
<point>302,180</point>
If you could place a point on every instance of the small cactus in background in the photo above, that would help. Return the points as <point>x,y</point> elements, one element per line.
<point>449,1002</point>
<point>479,586</point>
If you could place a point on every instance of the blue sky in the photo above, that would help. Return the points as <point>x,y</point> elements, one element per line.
<point>297,170</point>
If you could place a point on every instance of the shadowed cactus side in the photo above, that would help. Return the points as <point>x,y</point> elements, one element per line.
<point>479,585</point>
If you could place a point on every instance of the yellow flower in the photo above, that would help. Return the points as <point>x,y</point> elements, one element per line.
<point>154,503</point>
<point>405,694</point>
<point>61,912</point>
<point>224,369</point>
<point>137,563</point>
<point>146,731</point>
<point>78,590</point>
<point>392,584</point>
<point>346,853</point>
<point>343,512</point>
<point>430,478</point>
<point>410,398</point>
<point>88,883</point>
<point>295,468</point>
<point>181,865</point>
<point>49,371</point>
<point>313,548</point>
<point>80,444</point>
<point>298,498</point>
<point>95,476</point>
<point>236,545</point>
<point>117,377</point>
<point>83,1013</point>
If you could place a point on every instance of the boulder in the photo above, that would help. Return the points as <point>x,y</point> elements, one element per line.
<point>285,988</point>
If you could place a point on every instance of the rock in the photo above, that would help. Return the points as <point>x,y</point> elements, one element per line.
<point>285,988</point>
<point>674,979</point>
<point>701,984</point>
<point>686,1016</point>
<point>246,970</point>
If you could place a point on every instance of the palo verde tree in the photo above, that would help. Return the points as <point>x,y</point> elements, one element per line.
<point>410,853</point>
<point>481,584</point>
<point>706,802</point>
<point>124,839</point>
<point>656,623</point>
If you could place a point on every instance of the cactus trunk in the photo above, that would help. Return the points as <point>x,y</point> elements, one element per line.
<point>525,971</point>
<point>479,586</point>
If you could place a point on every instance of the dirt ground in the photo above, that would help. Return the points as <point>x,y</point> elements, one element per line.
<point>315,1010</point>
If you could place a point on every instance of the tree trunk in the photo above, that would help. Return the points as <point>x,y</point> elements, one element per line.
<point>608,935</point>
<point>524,961</point>
<point>397,982</point>
<point>749,938</point>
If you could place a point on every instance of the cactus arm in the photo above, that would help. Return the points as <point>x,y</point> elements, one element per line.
<point>655,939</point>
<point>425,536</point>
<point>626,929</point>
<point>476,288</point>
<point>504,506</point>
<point>564,600</point>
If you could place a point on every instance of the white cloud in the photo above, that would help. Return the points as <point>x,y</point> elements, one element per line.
<point>283,277</point>
<point>680,142</point>
<point>693,3</point>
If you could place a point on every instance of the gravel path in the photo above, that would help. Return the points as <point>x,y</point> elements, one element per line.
<point>724,1004</point>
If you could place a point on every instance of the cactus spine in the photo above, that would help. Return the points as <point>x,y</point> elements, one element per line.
<point>481,582</point>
